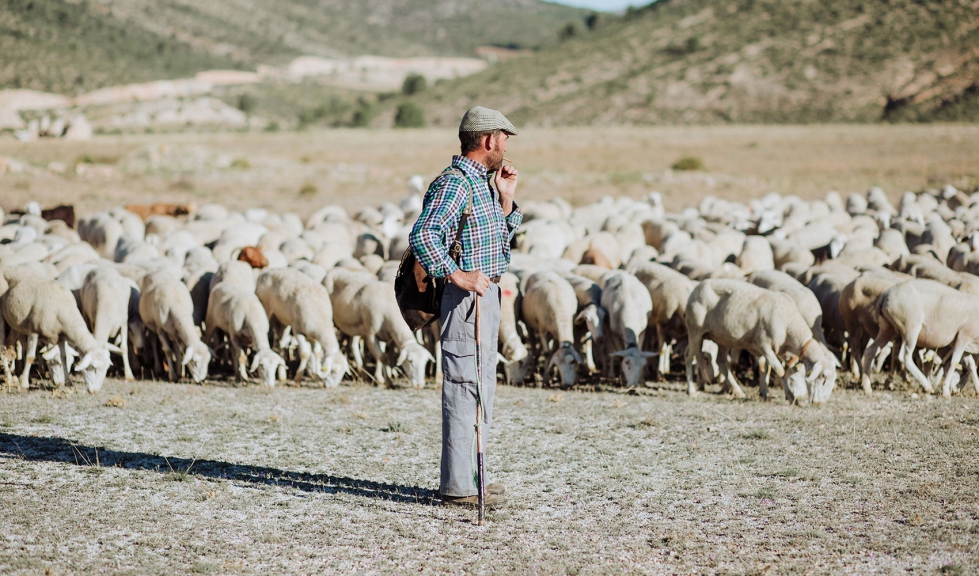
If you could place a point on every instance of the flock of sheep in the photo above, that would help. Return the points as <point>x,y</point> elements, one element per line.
<point>804,287</point>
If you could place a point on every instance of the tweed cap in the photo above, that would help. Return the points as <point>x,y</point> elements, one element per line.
<point>479,119</point>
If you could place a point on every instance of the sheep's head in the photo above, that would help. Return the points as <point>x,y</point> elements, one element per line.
<point>331,369</point>
<point>93,366</point>
<point>633,361</point>
<point>266,363</point>
<point>514,349</point>
<point>412,359</point>
<point>821,367</point>
<point>517,371</point>
<point>52,357</point>
<point>196,358</point>
<point>593,317</point>
<point>795,385</point>
<point>566,360</point>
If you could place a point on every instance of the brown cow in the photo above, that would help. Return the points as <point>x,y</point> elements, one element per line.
<point>253,256</point>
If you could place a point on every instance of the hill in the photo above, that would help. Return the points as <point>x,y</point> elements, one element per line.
<point>71,47</point>
<point>755,61</point>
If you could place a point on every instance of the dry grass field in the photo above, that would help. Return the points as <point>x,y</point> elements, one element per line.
<point>152,478</point>
<point>164,478</point>
<point>302,171</point>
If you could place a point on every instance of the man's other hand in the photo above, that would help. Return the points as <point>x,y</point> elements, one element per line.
<point>474,281</point>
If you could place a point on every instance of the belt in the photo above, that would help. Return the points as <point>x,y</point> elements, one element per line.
<point>495,279</point>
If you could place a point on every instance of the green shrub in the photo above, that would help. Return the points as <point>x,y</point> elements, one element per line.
<point>308,189</point>
<point>689,163</point>
<point>409,116</point>
<point>247,103</point>
<point>413,84</point>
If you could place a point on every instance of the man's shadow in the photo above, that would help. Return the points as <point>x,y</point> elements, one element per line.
<point>47,449</point>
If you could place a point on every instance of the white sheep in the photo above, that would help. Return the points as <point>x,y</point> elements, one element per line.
<point>928,314</point>
<point>627,303</point>
<point>548,308</point>
<point>167,310</point>
<point>740,316</point>
<point>669,291</point>
<point>105,297</point>
<point>294,300</point>
<point>366,307</point>
<point>41,309</point>
<point>235,310</point>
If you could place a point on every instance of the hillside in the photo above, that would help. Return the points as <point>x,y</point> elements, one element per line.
<point>71,47</point>
<point>703,61</point>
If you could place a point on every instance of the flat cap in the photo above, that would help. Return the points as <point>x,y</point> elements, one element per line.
<point>479,119</point>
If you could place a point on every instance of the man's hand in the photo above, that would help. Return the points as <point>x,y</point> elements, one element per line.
<point>506,184</point>
<point>474,281</point>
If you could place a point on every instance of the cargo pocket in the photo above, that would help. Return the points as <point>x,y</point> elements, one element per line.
<point>459,361</point>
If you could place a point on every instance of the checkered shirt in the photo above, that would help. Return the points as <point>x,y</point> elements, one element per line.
<point>487,235</point>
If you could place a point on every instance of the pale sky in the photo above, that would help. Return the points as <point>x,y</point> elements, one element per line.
<point>603,5</point>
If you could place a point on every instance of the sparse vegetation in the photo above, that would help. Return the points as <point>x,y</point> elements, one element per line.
<point>413,84</point>
<point>409,116</point>
<point>689,163</point>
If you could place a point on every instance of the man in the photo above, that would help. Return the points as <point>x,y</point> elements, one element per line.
<point>485,256</point>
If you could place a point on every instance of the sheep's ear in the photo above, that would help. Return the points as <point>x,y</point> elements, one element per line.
<point>649,354</point>
<point>817,369</point>
<point>188,356</point>
<point>254,365</point>
<point>500,359</point>
<point>402,356</point>
<point>620,353</point>
<point>432,358</point>
<point>85,363</point>
<point>577,356</point>
<point>114,349</point>
<point>580,317</point>
<point>550,363</point>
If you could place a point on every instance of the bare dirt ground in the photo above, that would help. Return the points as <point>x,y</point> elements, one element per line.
<point>154,477</point>
<point>356,167</point>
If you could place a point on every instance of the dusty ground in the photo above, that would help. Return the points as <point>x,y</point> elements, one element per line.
<point>357,167</point>
<point>160,478</point>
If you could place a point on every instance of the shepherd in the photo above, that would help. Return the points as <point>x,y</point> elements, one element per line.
<point>480,185</point>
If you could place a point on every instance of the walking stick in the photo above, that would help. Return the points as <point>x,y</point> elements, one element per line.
<point>480,466</point>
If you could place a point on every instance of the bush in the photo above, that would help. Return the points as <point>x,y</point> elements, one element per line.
<point>247,103</point>
<point>413,84</point>
<point>363,115</point>
<point>308,189</point>
<point>567,32</point>
<point>409,116</point>
<point>689,163</point>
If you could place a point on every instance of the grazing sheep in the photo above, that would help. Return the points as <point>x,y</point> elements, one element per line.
<point>803,298</point>
<point>105,297</point>
<point>517,363</point>
<point>548,308</point>
<point>167,310</point>
<point>669,291</point>
<point>859,307</point>
<point>294,300</point>
<point>627,303</point>
<point>41,309</point>
<point>929,315</point>
<point>235,310</point>
<point>741,316</point>
<point>366,307</point>
<point>589,318</point>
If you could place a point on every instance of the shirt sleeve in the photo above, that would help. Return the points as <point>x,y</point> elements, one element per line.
<point>513,222</point>
<point>440,214</point>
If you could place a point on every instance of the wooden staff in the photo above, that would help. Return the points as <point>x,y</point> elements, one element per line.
<point>480,465</point>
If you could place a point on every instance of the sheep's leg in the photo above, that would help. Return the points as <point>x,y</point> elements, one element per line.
<point>4,356</point>
<point>236,366</point>
<point>724,365</point>
<point>911,339</point>
<point>29,353</point>
<point>883,336</point>
<point>882,356</point>
<point>126,370</point>
<point>960,346</point>
<point>970,361</point>
<point>63,350</point>
<point>693,349</point>
<point>763,372</point>
<point>157,365</point>
<point>358,356</point>
<point>168,354</point>
<point>375,349</point>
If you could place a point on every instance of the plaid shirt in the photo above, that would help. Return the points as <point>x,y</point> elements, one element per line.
<point>487,235</point>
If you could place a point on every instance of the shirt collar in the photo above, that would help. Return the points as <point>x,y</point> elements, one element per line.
<point>470,166</point>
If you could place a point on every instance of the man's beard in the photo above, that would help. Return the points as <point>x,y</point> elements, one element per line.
<point>495,161</point>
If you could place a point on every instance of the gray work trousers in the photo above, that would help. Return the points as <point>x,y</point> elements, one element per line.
<point>458,340</point>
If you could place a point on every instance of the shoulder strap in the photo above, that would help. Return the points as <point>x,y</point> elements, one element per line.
<point>467,211</point>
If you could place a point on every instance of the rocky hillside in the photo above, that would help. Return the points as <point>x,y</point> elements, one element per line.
<point>69,47</point>
<point>709,61</point>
